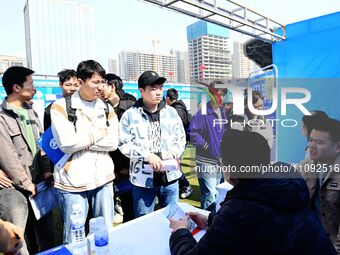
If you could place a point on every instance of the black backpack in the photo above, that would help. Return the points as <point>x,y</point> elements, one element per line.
<point>71,112</point>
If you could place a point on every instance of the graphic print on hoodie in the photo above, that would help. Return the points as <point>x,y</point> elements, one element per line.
<point>159,178</point>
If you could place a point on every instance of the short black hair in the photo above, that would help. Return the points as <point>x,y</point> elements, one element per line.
<point>172,94</point>
<point>331,126</point>
<point>66,74</point>
<point>15,75</point>
<point>310,120</point>
<point>113,79</point>
<point>244,148</point>
<point>87,68</point>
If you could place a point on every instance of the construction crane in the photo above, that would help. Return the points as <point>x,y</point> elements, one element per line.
<point>154,44</point>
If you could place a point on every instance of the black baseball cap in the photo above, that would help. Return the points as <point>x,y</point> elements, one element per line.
<point>150,78</point>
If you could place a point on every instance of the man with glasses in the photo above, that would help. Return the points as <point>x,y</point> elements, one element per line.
<point>88,174</point>
<point>23,162</point>
<point>123,205</point>
<point>109,94</point>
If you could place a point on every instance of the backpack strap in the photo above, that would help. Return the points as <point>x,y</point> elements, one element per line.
<point>71,112</point>
<point>107,112</point>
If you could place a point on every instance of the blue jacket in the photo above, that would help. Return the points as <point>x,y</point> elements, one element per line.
<point>260,216</point>
<point>206,136</point>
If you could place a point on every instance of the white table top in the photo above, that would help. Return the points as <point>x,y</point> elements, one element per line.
<point>147,235</point>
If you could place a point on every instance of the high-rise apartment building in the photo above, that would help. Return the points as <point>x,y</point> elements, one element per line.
<point>8,61</point>
<point>112,64</point>
<point>129,66</point>
<point>242,66</point>
<point>209,51</point>
<point>183,66</point>
<point>133,63</point>
<point>58,33</point>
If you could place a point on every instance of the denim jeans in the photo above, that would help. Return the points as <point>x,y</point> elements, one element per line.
<point>101,200</point>
<point>144,198</point>
<point>13,208</point>
<point>209,176</point>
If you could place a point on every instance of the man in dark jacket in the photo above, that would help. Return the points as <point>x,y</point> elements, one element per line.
<point>172,100</point>
<point>324,182</point>
<point>122,185</point>
<point>259,215</point>
<point>126,100</point>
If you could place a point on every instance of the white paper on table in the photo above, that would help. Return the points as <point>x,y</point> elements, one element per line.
<point>174,211</point>
<point>119,248</point>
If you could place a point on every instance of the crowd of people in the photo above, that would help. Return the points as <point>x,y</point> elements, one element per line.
<point>123,146</point>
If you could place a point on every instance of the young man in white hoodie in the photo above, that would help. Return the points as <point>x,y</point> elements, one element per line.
<point>88,174</point>
<point>151,132</point>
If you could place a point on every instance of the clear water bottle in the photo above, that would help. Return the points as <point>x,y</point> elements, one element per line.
<point>101,238</point>
<point>93,223</point>
<point>78,242</point>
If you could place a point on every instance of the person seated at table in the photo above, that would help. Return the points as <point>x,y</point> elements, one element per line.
<point>262,214</point>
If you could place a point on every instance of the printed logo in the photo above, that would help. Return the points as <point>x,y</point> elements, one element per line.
<point>53,144</point>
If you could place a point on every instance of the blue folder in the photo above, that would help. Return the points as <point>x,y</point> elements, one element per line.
<point>50,147</point>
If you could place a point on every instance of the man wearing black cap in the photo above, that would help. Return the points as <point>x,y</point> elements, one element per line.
<point>153,137</point>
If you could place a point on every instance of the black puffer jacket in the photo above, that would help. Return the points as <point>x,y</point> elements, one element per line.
<point>182,111</point>
<point>260,216</point>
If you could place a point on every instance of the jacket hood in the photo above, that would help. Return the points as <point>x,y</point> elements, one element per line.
<point>286,194</point>
<point>139,103</point>
<point>179,104</point>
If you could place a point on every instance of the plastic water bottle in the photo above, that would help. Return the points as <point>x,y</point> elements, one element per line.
<point>78,242</point>
<point>101,238</point>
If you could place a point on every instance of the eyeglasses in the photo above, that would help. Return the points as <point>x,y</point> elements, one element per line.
<point>99,83</point>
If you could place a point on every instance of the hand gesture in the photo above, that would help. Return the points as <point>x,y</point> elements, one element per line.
<point>178,224</point>
<point>5,182</point>
<point>155,162</point>
<point>200,219</point>
<point>11,237</point>
<point>32,189</point>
